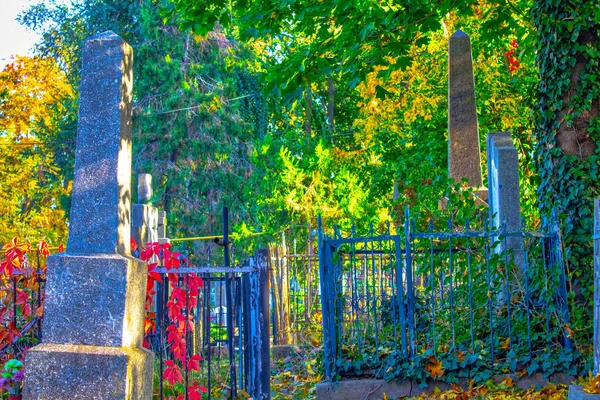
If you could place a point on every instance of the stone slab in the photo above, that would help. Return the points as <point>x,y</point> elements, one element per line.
<point>284,350</point>
<point>371,389</point>
<point>67,372</point>
<point>95,300</point>
<point>576,393</point>
<point>101,198</point>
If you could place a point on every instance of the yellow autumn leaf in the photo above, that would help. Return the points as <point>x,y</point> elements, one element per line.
<point>435,368</point>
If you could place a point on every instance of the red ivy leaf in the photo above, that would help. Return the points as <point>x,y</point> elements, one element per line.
<point>172,373</point>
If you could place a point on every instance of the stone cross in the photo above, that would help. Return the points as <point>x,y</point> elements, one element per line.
<point>464,157</point>
<point>95,291</point>
<point>504,191</point>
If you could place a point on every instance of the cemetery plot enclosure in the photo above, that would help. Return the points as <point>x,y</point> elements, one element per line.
<point>224,337</point>
<point>395,303</point>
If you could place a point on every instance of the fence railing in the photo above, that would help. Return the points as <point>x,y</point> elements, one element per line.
<point>500,296</point>
<point>21,299</point>
<point>295,291</point>
<point>228,328</point>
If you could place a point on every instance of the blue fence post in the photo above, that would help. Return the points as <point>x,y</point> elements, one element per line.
<point>258,349</point>
<point>229,304</point>
<point>559,263</point>
<point>596,286</point>
<point>326,301</point>
<point>409,281</point>
<point>400,296</point>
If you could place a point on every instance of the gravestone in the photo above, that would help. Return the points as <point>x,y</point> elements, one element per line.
<point>504,191</point>
<point>162,227</point>
<point>144,217</point>
<point>464,156</point>
<point>95,291</point>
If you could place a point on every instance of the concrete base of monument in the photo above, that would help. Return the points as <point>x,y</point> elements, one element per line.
<point>65,372</point>
<point>371,389</point>
<point>577,393</point>
<point>94,299</point>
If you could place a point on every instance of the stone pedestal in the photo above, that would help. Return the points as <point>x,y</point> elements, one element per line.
<point>94,300</point>
<point>67,371</point>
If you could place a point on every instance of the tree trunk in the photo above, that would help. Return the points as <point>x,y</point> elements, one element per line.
<point>567,127</point>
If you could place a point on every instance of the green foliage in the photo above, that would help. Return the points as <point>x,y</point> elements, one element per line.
<point>566,131</point>
<point>34,97</point>
<point>197,108</point>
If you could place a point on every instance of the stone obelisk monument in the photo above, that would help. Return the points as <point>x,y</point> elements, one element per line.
<point>464,156</point>
<point>94,307</point>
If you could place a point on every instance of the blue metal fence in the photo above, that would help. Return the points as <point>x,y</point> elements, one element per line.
<point>497,294</point>
<point>229,329</point>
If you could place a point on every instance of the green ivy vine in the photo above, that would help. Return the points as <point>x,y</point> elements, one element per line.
<point>567,129</point>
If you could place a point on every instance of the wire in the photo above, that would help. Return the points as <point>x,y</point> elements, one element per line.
<point>200,238</point>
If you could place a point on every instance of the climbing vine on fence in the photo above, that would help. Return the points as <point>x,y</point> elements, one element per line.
<point>22,270</point>
<point>182,302</point>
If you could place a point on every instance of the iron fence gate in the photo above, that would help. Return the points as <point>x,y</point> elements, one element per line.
<point>393,295</point>
<point>228,329</point>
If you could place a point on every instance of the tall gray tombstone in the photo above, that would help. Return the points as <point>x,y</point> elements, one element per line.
<point>504,197</point>
<point>95,291</point>
<point>464,156</point>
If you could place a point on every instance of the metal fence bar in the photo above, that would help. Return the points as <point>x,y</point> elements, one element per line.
<point>409,283</point>
<point>451,284</point>
<point>527,300</point>
<point>470,289</point>
<point>596,236</point>
<point>489,297</point>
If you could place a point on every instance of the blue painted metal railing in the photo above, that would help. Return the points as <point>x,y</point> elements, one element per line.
<point>230,329</point>
<point>491,292</point>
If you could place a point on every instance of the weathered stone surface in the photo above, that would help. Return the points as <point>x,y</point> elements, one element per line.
<point>375,388</point>
<point>162,227</point>
<point>95,300</point>
<point>283,351</point>
<point>144,224</point>
<point>144,188</point>
<point>504,192</point>
<point>464,156</point>
<point>101,205</point>
<point>371,389</point>
<point>66,372</point>
<point>577,393</point>
<point>503,185</point>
